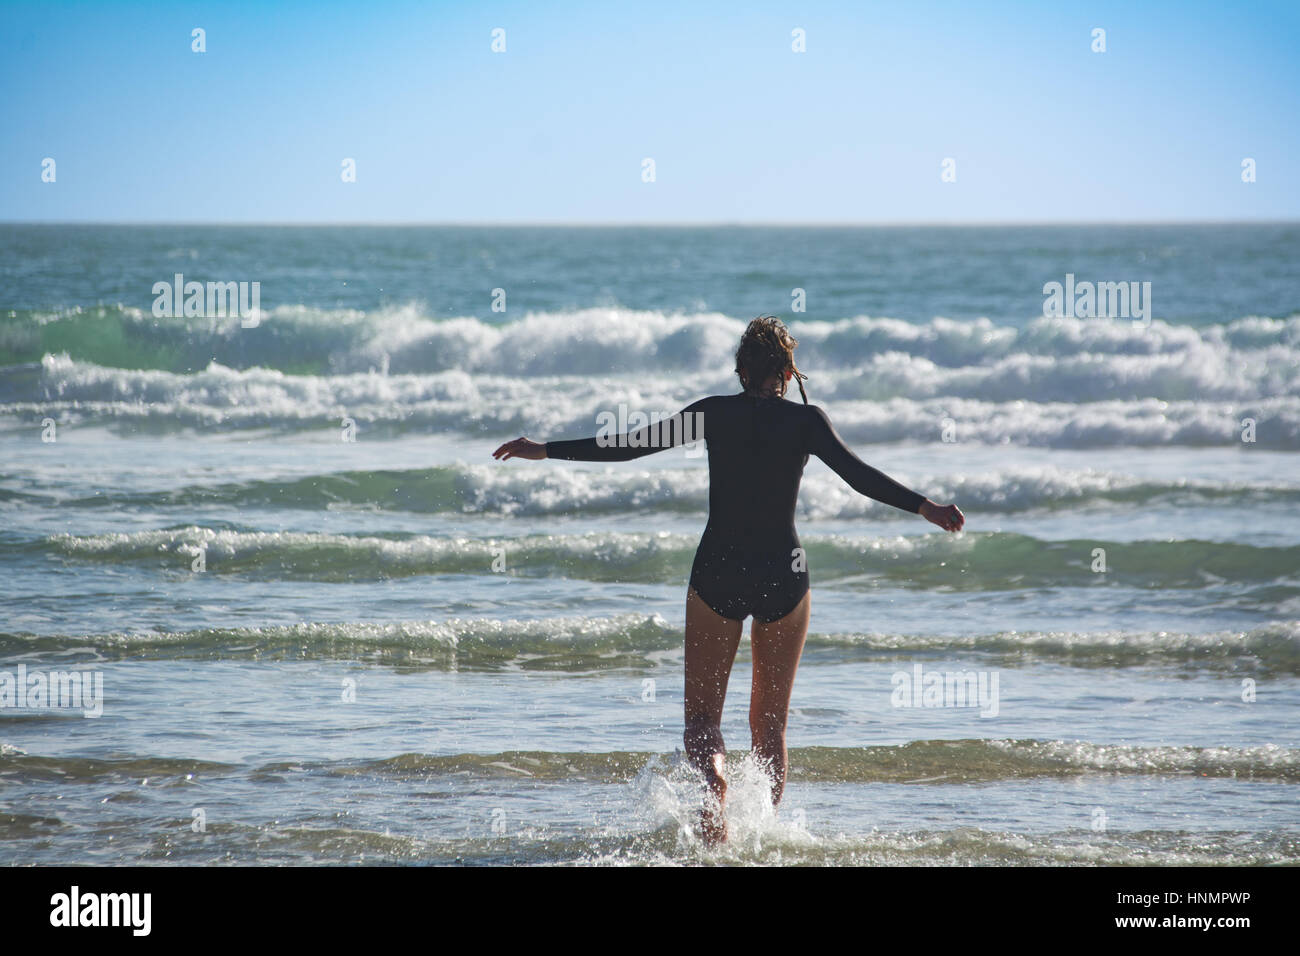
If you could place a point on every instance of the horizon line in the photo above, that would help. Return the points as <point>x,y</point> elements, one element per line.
<point>631,224</point>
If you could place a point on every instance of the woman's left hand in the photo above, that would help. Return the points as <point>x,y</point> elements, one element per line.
<point>947,517</point>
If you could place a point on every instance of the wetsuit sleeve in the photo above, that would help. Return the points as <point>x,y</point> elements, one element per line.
<point>826,444</point>
<point>686,426</point>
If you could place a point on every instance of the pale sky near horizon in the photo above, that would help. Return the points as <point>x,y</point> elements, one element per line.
<point>740,127</point>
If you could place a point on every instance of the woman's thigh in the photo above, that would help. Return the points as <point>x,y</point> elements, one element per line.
<point>711,642</point>
<point>777,647</point>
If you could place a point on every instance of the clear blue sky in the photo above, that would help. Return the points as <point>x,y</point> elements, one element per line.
<point>741,128</point>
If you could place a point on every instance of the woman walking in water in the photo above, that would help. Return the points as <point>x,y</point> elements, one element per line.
<point>749,562</point>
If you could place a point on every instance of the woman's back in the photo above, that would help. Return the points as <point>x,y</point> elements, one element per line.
<point>757,448</point>
<point>757,451</point>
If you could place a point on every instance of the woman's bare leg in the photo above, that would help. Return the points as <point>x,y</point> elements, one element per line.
<point>777,647</point>
<point>711,642</point>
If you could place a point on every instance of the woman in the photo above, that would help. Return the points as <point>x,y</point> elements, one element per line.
<point>749,561</point>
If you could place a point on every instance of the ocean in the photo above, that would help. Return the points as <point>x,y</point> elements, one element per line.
<point>311,620</point>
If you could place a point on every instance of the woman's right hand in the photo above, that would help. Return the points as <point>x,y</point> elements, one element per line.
<point>947,517</point>
<point>521,448</point>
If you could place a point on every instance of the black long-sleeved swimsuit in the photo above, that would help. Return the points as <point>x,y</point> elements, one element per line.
<point>749,560</point>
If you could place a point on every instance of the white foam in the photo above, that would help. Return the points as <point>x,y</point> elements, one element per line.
<point>1057,382</point>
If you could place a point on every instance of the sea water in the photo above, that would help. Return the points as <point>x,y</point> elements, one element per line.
<point>330,628</point>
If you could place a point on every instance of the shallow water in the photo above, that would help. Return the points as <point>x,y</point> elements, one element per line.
<point>532,714</point>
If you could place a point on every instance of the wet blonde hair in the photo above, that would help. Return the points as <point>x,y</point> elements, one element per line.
<point>767,350</point>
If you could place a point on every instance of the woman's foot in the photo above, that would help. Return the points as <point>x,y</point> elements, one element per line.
<point>713,827</point>
<point>713,816</point>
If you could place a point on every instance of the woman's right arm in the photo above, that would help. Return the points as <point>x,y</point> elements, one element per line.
<point>685,426</point>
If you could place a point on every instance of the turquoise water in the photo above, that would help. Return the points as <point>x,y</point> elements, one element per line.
<point>398,649</point>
